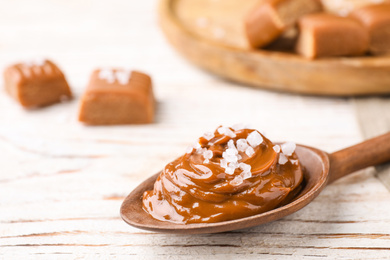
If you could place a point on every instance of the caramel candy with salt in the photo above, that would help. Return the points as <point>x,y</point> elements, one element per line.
<point>324,35</point>
<point>37,83</point>
<point>269,19</point>
<point>116,96</point>
<point>376,18</point>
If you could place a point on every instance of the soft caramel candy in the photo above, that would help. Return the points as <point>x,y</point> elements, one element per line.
<point>376,18</point>
<point>324,35</point>
<point>118,97</point>
<point>36,83</point>
<point>269,19</point>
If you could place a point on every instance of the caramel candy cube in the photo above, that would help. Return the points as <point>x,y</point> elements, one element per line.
<point>376,18</point>
<point>37,83</point>
<point>118,97</point>
<point>330,35</point>
<point>269,19</point>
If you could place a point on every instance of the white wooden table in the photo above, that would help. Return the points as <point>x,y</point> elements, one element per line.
<point>62,183</point>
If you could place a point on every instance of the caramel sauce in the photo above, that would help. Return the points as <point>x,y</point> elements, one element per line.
<point>192,189</point>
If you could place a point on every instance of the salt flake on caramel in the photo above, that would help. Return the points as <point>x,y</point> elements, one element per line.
<point>235,181</point>
<point>36,83</point>
<point>118,96</point>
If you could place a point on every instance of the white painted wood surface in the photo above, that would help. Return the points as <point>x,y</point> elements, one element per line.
<point>374,118</point>
<point>62,183</point>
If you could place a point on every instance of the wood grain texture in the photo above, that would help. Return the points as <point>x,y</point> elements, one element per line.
<point>215,41</point>
<point>374,118</point>
<point>62,184</point>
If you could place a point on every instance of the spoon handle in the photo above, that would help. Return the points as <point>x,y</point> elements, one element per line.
<point>368,153</point>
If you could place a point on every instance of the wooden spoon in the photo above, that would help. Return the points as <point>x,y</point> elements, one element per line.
<point>320,169</point>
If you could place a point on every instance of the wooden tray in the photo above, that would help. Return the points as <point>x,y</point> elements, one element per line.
<point>209,33</point>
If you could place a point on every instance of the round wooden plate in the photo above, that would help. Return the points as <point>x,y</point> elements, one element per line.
<point>209,33</point>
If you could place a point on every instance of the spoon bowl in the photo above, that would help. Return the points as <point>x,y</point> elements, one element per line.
<point>319,169</point>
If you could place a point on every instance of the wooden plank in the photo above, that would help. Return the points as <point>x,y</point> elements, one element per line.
<point>61,183</point>
<point>374,119</point>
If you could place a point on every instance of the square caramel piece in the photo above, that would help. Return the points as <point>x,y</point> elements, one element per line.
<point>324,35</point>
<point>117,96</point>
<point>270,18</point>
<point>376,18</point>
<point>36,83</point>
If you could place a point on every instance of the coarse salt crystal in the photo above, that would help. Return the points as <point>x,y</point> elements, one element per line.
<point>231,145</point>
<point>208,154</point>
<point>246,175</point>
<point>36,62</point>
<point>288,148</point>
<point>110,80</point>
<point>196,145</point>
<point>237,180</point>
<point>229,158</point>
<point>233,165</point>
<point>249,151</point>
<point>276,148</point>
<point>231,151</point>
<point>201,150</point>
<point>28,63</point>
<point>107,75</point>
<point>254,139</point>
<point>230,133</point>
<point>295,162</point>
<point>238,127</point>
<point>123,77</point>
<point>189,149</point>
<point>242,145</point>
<point>208,136</point>
<point>222,130</point>
<point>245,167</point>
<point>282,159</point>
<point>206,161</point>
<point>246,170</point>
<point>223,163</point>
<point>103,73</point>
<point>39,61</point>
<point>230,170</point>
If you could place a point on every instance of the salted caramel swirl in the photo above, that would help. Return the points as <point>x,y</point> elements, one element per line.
<point>228,174</point>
